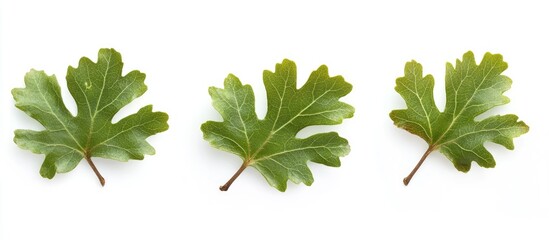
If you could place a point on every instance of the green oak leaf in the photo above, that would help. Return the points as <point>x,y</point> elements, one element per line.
<point>471,90</point>
<point>100,91</point>
<point>270,145</point>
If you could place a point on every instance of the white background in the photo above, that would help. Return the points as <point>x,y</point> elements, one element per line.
<point>186,47</point>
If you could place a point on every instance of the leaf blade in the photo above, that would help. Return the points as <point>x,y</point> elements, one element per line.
<point>100,91</point>
<point>270,145</point>
<point>471,90</point>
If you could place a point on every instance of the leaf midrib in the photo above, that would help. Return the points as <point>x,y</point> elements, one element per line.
<point>122,132</point>
<point>238,107</point>
<point>89,148</point>
<point>475,132</point>
<point>294,150</point>
<point>272,133</point>
<point>281,98</point>
<point>436,144</point>
<point>92,121</point>
<point>57,117</point>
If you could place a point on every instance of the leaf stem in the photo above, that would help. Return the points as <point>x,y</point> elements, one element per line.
<point>411,175</point>
<point>234,177</point>
<point>101,179</point>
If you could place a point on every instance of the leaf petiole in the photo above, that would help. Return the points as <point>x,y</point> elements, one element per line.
<point>101,179</point>
<point>411,175</point>
<point>234,177</point>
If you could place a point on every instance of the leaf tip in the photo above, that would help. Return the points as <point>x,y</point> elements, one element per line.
<point>48,169</point>
<point>413,68</point>
<point>232,81</point>
<point>286,62</point>
<point>108,52</point>
<point>525,127</point>
<point>324,69</point>
<point>286,65</point>
<point>281,188</point>
<point>470,55</point>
